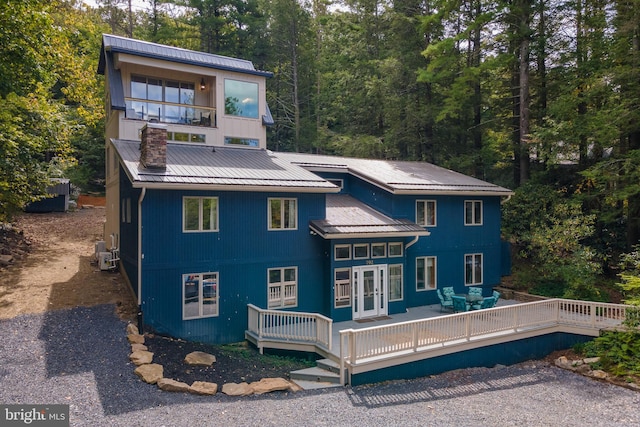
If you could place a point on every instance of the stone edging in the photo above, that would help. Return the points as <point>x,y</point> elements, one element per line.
<point>583,367</point>
<point>152,373</point>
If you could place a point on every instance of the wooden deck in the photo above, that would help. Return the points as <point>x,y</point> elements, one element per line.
<point>424,332</point>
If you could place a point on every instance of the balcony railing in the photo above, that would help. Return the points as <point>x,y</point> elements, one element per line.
<point>168,112</point>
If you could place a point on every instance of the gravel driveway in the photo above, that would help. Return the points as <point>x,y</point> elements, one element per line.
<point>80,357</point>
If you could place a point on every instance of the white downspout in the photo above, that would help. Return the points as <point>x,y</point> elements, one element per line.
<point>140,199</point>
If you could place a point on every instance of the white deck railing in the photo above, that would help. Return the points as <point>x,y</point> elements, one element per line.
<point>388,341</point>
<point>290,326</point>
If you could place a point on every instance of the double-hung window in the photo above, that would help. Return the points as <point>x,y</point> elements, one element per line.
<point>426,213</point>
<point>283,287</point>
<point>199,214</point>
<point>283,214</point>
<point>473,269</point>
<point>425,273</point>
<point>200,295</point>
<point>473,212</point>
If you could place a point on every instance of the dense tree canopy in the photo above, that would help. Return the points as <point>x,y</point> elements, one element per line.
<point>540,96</point>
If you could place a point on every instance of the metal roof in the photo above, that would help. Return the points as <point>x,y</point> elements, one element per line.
<point>175,54</point>
<point>349,217</point>
<point>219,168</point>
<point>399,177</point>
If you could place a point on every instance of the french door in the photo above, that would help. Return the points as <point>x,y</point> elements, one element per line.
<point>369,291</point>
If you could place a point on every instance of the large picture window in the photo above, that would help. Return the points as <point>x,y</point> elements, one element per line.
<point>283,214</point>
<point>199,214</point>
<point>342,287</point>
<point>425,273</point>
<point>473,212</point>
<point>240,98</point>
<point>473,269</point>
<point>283,287</point>
<point>395,282</point>
<point>200,295</point>
<point>426,213</point>
<point>170,96</point>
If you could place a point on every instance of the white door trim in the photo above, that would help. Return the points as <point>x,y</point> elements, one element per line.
<point>369,291</point>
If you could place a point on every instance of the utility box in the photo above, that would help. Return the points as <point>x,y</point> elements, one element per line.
<point>104,260</point>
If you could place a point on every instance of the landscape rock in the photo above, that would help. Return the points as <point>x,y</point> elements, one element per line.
<point>132,329</point>
<point>598,374</point>
<point>590,360</point>
<point>150,373</point>
<point>141,357</point>
<point>564,363</point>
<point>138,347</point>
<point>200,358</point>
<point>6,260</point>
<point>204,388</point>
<point>267,385</point>
<point>167,384</point>
<point>233,389</point>
<point>135,338</point>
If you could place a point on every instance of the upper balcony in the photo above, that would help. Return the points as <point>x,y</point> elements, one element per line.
<point>169,112</point>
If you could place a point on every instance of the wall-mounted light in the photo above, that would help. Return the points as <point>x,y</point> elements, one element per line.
<point>202,85</point>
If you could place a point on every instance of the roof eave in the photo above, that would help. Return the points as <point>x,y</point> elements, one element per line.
<point>230,187</point>
<point>371,235</point>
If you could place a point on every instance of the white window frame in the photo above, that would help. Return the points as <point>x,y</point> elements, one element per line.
<point>282,294</point>
<point>335,252</point>
<point>473,210</point>
<point>395,244</point>
<point>424,219</point>
<point>471,261</point>
<point>361,245</point>
<point>391,278</point>
<point>427,286</point>
<point>204,299</point>
<point>283,201</point>
<point>214,218</point>
<point>342,288</point>
<point>384,245</point>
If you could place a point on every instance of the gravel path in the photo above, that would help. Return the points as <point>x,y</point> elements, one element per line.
<point>80,357</point>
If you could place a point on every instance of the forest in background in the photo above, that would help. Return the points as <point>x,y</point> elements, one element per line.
<point>540,96</point>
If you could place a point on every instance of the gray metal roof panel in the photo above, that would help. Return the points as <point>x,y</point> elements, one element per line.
<point>176,54</point>
<point>346,215</point>
<point>399,175</point>
<point>223,166</point>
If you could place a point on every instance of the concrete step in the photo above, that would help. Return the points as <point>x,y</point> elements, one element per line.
<point>328,365</point>
<point>314,385</point>
<point>315,374</point>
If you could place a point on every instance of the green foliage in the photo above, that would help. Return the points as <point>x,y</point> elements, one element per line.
<point>619,352</point>
<point>550,232</point>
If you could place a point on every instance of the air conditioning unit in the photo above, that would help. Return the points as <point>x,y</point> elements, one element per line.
<point>104,260</point>
<point>101,246</point>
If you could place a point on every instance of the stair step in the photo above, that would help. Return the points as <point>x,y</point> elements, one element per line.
<point>315,374</point>
<point>328,365</point>
<point>314,385</point>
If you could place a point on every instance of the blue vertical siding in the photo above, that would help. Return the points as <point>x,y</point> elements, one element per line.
<point>240,252</point>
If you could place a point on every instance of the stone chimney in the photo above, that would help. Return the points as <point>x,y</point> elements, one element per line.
<point>153,149</point>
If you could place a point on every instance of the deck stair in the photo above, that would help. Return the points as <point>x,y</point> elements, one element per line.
<point>325,374</point>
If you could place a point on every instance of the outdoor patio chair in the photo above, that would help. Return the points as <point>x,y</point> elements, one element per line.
<point>443,302</point>
<point>459,304</point>
<point>487,302</point>
<point>448,292</point>
<point>475,291</point>
<point>496,295</point>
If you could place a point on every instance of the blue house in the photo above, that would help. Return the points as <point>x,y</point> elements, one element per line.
<point>207,220</point>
